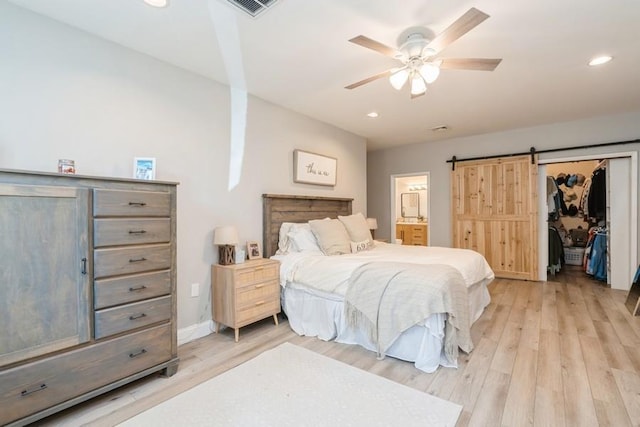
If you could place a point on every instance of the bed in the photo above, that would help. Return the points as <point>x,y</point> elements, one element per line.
<point>318,290</point>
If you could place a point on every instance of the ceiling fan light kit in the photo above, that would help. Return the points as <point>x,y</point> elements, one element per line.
<point>417,53</point>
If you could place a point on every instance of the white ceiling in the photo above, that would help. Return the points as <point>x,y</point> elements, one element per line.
<point>297,55</point>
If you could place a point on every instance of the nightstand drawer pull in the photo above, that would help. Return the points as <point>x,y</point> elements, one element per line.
<point>261,285</point>
<point>260,303</point>
<point>137,288</point>
<point>258,268</point>
<point>137,259</point>
<point>139,353</point>
<point>137,316</point>
<point>137,204</point>
<point>137,231</point>
<point>28,392</point>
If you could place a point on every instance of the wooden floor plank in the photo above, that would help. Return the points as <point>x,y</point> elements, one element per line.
<point>519,405</point>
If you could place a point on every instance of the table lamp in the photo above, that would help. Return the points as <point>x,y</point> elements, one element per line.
<point>226,237</point>
<point>373,225</point>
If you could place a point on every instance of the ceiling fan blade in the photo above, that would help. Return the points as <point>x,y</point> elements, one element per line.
<point>480,64</point>
<point>368,80</point>
<point>374,45</point>
<point>459,28</point>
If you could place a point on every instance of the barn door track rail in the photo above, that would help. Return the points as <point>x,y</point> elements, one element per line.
<point>532,151</point>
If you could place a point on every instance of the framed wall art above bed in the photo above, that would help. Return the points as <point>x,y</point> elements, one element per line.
<point>312,168</point>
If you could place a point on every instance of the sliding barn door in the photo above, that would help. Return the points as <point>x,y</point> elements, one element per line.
<point>495,209</point>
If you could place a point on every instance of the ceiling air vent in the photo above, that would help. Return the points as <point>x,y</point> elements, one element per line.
<point>253,7</point>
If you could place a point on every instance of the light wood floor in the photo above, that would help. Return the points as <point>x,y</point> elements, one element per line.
<point>562,352</point>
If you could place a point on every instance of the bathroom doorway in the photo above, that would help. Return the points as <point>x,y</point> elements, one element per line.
<point>414,190</point>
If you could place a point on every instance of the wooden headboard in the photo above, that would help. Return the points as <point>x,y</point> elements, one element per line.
<point>278,208</point>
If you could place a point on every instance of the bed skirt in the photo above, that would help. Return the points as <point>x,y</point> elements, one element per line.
<point>313,313</point>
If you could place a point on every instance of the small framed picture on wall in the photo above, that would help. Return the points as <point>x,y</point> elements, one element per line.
<point>253,250</point>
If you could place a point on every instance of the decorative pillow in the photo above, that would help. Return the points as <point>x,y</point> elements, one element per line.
<point>283,238</point>
<point>357,227</point>
<point>361,246</point>
<point>302,239</point>
<point>332,236</point>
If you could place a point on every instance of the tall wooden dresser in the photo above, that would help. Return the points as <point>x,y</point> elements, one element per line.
<point>87,288</point>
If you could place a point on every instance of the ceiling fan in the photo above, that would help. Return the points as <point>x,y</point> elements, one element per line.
<point>418,53</point>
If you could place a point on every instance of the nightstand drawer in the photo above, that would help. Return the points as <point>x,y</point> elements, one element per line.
<point>247,295</point>
<point>123,318</point>
<point>130,203</point>
<point>128,231</point>
<point>116,261</point>
<point>257,311</point>
<point>122,290</point>
<point>247,276</point>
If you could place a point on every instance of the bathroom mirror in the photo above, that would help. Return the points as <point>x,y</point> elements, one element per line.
<point>410,205</point>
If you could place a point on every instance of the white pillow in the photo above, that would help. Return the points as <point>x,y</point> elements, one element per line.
<point>302,239</point>
<point>332,236</point>
<point>357,227</point>
<point>361,246</point>
<point>283,238</point>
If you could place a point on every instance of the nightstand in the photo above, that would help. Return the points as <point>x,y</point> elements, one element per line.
<point>245,293</point>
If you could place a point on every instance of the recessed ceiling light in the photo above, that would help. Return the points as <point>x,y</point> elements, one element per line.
<point>157,3</point>
<point>599,60</point>
<point>372,114</point>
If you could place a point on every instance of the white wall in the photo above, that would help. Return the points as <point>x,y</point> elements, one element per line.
<point>67,94</point>
<point>432,157</point>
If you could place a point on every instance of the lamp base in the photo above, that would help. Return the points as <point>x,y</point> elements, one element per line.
<point>226,254</point>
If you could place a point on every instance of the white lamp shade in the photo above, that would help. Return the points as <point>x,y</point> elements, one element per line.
<point>225,235</point>
<point>429,72</point>
<point>399,78</point>
<point>372,223</point>
<point>418,86</point>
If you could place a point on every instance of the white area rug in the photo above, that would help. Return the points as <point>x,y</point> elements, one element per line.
<point>292,386</point>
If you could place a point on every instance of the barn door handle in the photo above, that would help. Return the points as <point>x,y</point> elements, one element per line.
<point>84,266</point>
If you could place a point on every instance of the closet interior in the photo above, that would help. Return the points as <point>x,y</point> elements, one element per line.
<point>577,217</point>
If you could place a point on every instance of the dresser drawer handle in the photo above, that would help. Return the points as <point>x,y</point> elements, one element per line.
<point>138,353</point>
<point>137,316</point>
<point>137,231</point>
<point>261,285</point>
<point>258,268</point>
<point>28,392</point>
<point>137,259</point>
<point>260,303</point>
<point>137,204</point>
<point>137,288</point>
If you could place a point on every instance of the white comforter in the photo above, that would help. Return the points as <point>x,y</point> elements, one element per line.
<point>330,274</point>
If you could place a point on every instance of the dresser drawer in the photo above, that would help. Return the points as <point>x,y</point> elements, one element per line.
<point>265,291</point>
<point>122,290</point>
<point>130,203</point>
<point>110,321</point>
<point>39,385</point>
<point>248,276</point>
<point>117,261</point>
<point>129,231</point>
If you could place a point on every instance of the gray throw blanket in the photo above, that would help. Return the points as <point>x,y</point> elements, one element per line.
<point>387,298</point>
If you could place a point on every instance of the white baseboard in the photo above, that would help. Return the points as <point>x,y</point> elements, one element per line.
<point>196,331</point>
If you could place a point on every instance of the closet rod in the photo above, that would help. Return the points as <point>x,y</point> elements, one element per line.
<point>532,151</point>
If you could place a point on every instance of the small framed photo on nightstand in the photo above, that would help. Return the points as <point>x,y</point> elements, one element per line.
<point>253,250</point>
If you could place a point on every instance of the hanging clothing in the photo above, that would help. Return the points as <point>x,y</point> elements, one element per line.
<point>556,251</point>
<point>598,195</point>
